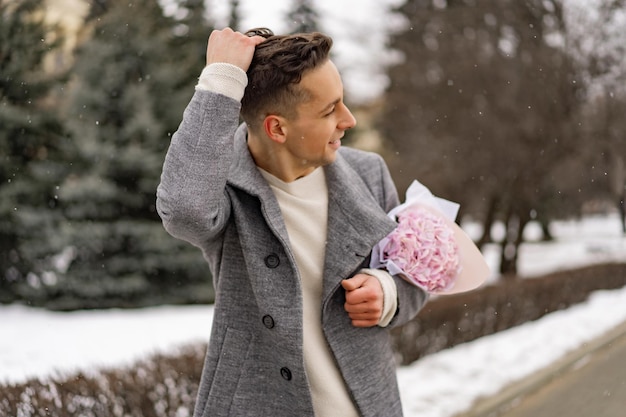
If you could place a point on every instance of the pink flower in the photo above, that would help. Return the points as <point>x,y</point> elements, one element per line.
<point>422,249</point>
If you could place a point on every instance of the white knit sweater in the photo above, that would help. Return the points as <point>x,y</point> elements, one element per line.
<point>304,205</point>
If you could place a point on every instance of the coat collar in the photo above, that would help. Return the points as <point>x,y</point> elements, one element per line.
<point>246,176</point>
<point>356,221</point>
<point>244,173</point>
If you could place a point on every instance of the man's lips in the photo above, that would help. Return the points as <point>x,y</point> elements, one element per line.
<point>336,141</point>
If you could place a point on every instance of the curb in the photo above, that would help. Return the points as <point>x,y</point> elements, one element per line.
<point>500,402</point>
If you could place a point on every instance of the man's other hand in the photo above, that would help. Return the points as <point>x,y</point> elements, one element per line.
<point>364,300</point>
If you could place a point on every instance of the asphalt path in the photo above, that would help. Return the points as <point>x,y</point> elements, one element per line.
<point>590,382</point>
<point>594,386</point>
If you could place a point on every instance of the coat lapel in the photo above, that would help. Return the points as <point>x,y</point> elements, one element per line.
<point>356,222</point>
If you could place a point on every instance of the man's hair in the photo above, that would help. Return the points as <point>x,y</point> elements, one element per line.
<point>275,73</point>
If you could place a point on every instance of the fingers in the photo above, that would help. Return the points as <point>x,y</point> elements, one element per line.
<point>364,300</point>
<point>366,294</point>
<point>364,314</point>
<point>355,282</point>
<point>231,47</point>
<point>364,320</point>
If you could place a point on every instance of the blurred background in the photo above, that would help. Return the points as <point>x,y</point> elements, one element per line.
<point>515,109</point>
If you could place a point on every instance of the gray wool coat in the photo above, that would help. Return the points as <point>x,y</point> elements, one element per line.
<point>212,195</point>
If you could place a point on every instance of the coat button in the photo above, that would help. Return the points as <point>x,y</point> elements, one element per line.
<point>272,260</point>
<point>268,321</point>
<point>285,373</point>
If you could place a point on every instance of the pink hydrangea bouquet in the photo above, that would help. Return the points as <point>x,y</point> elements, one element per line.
<point>423,247</point>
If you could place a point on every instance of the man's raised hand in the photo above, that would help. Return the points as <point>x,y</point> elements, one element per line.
<point>231,47</point>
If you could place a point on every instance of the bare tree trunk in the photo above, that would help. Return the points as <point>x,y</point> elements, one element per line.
<point>545,229</point>
<point>488,222</point>
<point>509,256</point>
<point>622,211</point>
<point>618,184</point>
<point>508,268</point>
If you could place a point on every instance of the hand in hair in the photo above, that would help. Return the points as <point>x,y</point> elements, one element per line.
<point>231,47</point>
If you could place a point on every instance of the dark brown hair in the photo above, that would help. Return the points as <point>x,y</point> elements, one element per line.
<point>276,69</point>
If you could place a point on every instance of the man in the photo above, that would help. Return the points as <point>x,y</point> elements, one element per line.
<point>286,219</point>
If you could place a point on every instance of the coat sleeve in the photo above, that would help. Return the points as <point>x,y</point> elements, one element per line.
<point>191,197</point>
<point>410,298</point>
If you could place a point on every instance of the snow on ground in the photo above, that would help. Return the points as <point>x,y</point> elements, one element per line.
<point>34,342</point>
<point>457,377</point>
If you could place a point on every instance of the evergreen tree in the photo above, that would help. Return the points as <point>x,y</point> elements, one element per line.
<point>133,77</point>
<point>32,144</point>
<point>234,20</point>
<point>187,51</point>
<point>303,17</point>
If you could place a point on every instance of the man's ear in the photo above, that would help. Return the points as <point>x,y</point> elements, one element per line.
<point>275,128</point>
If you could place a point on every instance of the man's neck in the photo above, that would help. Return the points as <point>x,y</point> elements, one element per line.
<point>270,158</point>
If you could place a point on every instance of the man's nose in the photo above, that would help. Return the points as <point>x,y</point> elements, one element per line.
<point>347,121</point>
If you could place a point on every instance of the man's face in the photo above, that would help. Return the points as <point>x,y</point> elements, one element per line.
<point>314,135</point>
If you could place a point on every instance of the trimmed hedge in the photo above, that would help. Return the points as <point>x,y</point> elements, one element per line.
<point>447,321</point>
<point>161,386</point>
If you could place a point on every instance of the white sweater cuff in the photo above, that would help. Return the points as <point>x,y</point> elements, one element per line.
<point>390,294</point>
<point>222,78</point>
